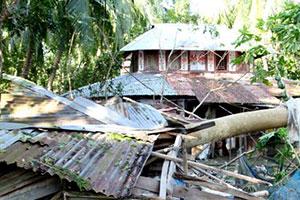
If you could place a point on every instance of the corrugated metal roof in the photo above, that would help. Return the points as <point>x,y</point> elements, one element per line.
<point>144,116</point>
<point>25,112</point>
<point>186,37</point>
<point>231,92</point>
<point>106,163</point>
<point>40,111</point>
<point>128,86</point>
<point>48,110</point>
<point>7,138</point>
<point>195,85</point>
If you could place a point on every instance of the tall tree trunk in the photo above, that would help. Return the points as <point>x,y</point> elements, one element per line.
<point>3,16</point>
<point>54,68</point>
<point>1,54</point>
<point>237,124</point>
<point>28,59</point>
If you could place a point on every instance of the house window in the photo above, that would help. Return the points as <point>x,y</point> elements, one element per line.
<point>151,59</point>
<point>162,64</point>
<point>221,58</point>
<point>184,61</point>
<point>232,65</point>
<point>173,60</point>
<point>141,60</point>
<point>198,60</point>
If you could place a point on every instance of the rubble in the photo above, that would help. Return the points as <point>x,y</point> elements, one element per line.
<point>122,149</point>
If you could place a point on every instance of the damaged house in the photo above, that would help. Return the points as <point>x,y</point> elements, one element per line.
<point>188,71</point>
<point>53,147</point>
<point>187,64</point>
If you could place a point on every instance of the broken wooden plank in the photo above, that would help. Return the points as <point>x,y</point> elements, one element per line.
<point>206,167</point>
<point>167,171</point>
<point>172,167</point>
<point>147,183</point>
<point>195,194</point>
<point>36,190</point>
<point>218,187</point>
<point>263,193</point>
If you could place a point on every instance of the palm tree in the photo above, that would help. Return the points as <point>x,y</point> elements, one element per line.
<point>47,37</point>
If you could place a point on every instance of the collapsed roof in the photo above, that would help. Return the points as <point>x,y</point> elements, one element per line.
<point>107,163</point>
<point>99,148</point>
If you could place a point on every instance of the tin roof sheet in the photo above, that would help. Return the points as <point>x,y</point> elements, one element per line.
<point>186,37</point>
<point>144,116</point>
<point>40,111</point>
<point>127,85</point>
<point>192,84</point>
<point>48,110</point>
<point>106,163</point>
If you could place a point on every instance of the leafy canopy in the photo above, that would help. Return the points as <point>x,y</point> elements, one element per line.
<point>275,48</point>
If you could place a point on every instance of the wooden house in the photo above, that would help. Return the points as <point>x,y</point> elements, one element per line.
<point>186,69</point>
<point>185,48</point>
<point>184,63</point>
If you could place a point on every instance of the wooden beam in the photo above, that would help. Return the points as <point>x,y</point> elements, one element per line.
<point>195,194</point>
<point>226,188</point>
<point>36,190</point>
<point>168,170</point>
<point>206,167</point>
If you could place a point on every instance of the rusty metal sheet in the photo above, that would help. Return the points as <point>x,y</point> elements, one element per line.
<point>106,163</point>
<point>232,92</point>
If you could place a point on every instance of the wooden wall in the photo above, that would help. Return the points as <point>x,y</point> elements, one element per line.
<point>194,61</point>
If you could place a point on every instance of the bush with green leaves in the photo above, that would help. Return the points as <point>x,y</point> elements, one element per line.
<point>279,143</point>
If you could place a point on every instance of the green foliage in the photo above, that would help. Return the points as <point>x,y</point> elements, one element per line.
<point>277,140</point>
<point>180,13</point>
<point>285,28</point>
<point>177,13</point>
<point>76,41</point>
<point>275,52</point>
<point>118,137</point>
<point>279,137</point>
<point>280,175</point>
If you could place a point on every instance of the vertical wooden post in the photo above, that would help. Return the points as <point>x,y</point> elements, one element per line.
<point>185,160</point>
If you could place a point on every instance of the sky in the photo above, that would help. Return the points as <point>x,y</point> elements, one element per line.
<point>207,8</point>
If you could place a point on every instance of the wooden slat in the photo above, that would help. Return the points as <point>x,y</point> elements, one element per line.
<point>149,184</point>
<point>196,194</point>
<point>35,191</point>
<point>168,170</point>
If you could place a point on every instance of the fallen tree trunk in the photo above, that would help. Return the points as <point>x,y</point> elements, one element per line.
<point>237,124</point>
